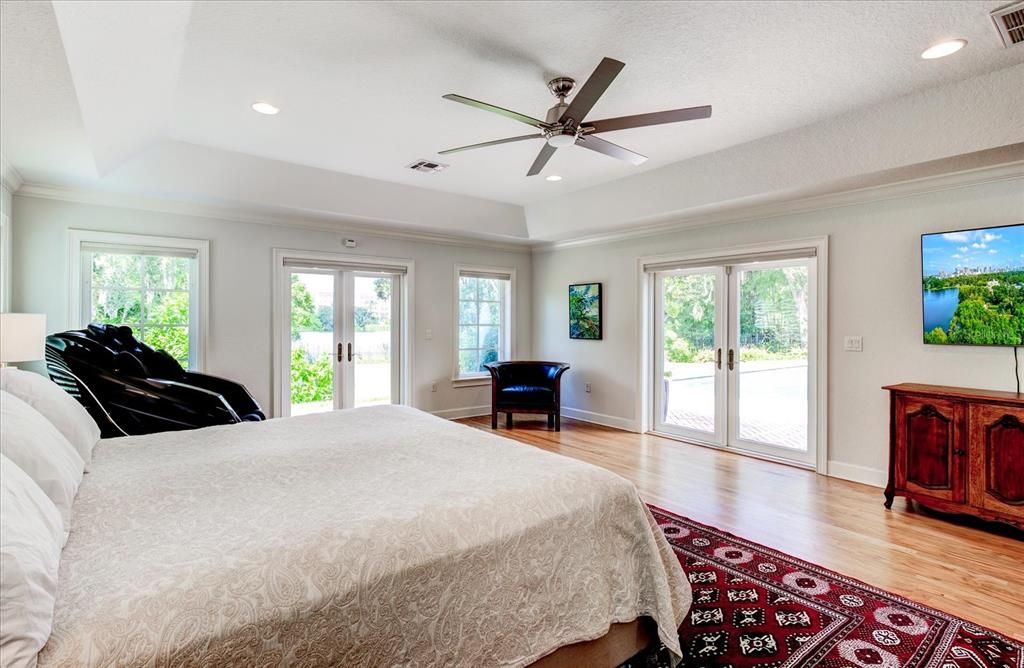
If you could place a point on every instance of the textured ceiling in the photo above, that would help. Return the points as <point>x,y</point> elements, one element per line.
<point>360,84</point>
<point>90,87</point>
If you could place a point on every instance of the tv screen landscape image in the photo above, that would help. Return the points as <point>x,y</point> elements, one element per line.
<point>973,286</point>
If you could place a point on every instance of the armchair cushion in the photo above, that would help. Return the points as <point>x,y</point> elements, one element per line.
<point>526,394</point>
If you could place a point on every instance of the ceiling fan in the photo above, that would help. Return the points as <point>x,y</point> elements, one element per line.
<point>565,123</point>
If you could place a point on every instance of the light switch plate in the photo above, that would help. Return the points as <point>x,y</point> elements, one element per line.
<point>853,344</point>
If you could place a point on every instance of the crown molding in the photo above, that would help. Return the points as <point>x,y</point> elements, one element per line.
<point>760,211</point>
<point>341,227</point>
<point>717,215</point>
<point>9,175</point>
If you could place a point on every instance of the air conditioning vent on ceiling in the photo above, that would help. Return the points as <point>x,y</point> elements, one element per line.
<point>1010,23</point>
<point>427,166</point>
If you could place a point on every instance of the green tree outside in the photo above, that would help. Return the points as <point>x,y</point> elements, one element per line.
<point>149,293</point>
<point>990,309</point>
<point>772,310</point>
<point>312,377</point>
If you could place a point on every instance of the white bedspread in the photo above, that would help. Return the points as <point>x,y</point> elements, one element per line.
<point>370,537</point>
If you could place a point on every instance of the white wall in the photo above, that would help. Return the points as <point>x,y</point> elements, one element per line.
<point>239,344</point>
<point>874,291</point>
<point>6,224</point>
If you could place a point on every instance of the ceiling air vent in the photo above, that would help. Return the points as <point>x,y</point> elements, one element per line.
<point>1010,23</point>
<point>426,166</point>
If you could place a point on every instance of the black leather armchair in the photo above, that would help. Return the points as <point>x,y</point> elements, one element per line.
<point>526,387</point>
<point>129,388</point>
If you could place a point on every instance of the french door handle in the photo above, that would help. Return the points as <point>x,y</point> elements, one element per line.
<point>718,358</point>
<point>732,359</point>
<point>341,355</point>
<point>349,351</point>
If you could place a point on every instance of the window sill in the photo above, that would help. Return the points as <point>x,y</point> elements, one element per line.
<point>471,381</point>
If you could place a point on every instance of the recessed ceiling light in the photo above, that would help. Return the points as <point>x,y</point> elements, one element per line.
<point>554,177</point>
<point>943,49</point>
<point>265,108</point>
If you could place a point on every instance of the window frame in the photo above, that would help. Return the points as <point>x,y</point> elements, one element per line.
<point>507,332</point>
<point>79,282</point>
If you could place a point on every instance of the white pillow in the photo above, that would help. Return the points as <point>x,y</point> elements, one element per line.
<point>56,405</point>
<point>31,536</point>
<point>30,441</point>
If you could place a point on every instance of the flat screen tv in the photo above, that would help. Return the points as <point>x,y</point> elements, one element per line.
<point>973,286</point>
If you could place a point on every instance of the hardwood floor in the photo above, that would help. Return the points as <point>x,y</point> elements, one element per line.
<point>963,567</point>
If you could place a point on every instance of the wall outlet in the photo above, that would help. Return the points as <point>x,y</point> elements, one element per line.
<point>429,334</point>
<point>853,344</point>
<point>433,387</point>
<point>587,387</point>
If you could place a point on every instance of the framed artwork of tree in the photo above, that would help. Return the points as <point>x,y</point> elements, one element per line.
<point>585,311</point>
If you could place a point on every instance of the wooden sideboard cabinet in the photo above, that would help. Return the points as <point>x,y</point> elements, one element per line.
<point>957,450</point>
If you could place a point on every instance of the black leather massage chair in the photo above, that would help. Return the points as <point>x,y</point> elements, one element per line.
<point>129,388</point>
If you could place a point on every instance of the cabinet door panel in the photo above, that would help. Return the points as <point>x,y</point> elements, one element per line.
<point>997,459</point>
<point>930,432</point>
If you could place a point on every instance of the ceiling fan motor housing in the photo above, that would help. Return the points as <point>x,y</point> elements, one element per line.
<point>560,87</point>
<point>555,112</point>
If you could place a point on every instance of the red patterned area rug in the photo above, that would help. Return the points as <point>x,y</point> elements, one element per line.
<point>756,607</point>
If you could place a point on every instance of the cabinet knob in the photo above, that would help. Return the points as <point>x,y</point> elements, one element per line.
<point>959,452</point>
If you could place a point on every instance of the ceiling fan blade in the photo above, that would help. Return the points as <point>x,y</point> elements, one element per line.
<point>514,115</point>
<point>592,90</point>
<point>610,149</point>
<point>641,120</point>
<point>542,159</point>
<point>490,143</point>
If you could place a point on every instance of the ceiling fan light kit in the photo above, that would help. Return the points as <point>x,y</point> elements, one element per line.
<point>565,123</point>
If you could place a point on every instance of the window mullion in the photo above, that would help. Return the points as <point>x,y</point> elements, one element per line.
<point>142,302</point>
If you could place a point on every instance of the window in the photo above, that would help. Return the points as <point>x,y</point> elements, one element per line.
<point>483,319</point>
<point>151,284</point>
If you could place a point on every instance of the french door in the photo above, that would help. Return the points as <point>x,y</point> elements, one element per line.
<point>343,349</point>
<point>734,356</point>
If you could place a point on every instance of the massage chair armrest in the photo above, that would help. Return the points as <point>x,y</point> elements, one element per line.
<point>193,393</point>
<point>174,404</point>
<point>236,394</point>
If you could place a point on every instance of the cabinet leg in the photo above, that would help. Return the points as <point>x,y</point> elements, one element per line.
<point>508,420</point>
<point>889,495</point>
<point>551,420</point>
<point>494,419</point>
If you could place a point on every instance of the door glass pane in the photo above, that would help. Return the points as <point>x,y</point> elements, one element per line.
<point>372,311</point>
<point>688,332</point>
<point>312,343</point>
<point>773,306</point>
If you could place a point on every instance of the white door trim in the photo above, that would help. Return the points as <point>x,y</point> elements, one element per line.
<point>645,400</point>
<point>280,323</point>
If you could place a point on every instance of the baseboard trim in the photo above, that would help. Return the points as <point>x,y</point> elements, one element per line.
<point>601,419</point>
<point>855,473</point>
<point>464,412</point>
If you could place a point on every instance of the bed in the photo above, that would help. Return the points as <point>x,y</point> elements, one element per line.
<point>377,536</point>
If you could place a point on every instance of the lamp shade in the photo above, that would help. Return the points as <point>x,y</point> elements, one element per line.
<point>22,337</point>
